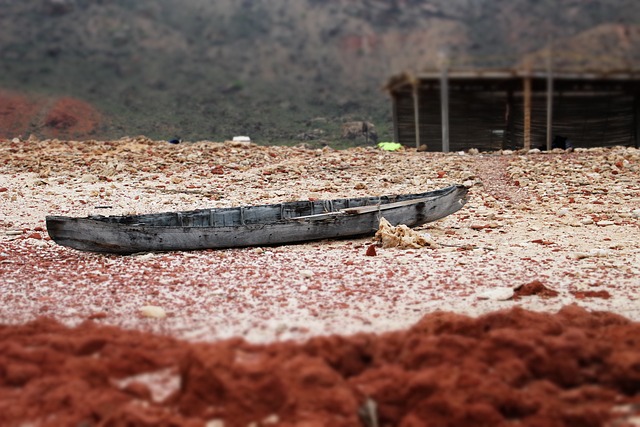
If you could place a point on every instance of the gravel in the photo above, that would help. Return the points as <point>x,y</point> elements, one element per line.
<point>567,220</point>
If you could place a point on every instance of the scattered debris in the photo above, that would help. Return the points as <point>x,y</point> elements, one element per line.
<point>368,413</point>
<point>371,250</point>
<point>401,236</point>
<point>594,253</point>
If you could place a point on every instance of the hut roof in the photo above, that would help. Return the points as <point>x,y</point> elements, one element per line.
<point>409,78</point>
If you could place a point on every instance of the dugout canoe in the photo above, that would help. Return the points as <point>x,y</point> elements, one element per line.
<point>260,225</point>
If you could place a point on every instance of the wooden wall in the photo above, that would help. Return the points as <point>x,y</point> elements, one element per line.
<point>491,117</point>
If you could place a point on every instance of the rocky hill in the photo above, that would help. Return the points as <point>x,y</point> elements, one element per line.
<point>278,70</point>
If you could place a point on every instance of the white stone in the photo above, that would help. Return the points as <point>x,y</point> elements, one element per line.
<point>89,178</point>
<point>153,311</point>
<point>594,253</point>
<point>497,294</point>
<point>271,419</point>
<point>307,274</point>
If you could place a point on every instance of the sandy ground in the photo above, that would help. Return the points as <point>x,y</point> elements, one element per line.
<point>568,220</point>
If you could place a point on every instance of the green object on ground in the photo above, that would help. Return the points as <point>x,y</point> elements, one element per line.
<point>389,146</point>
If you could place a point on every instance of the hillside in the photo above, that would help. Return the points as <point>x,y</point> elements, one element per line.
<point>280,71</point>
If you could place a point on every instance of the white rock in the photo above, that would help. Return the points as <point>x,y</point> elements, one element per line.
<point>89,178</point>
<point>497,294</point>
<point>241,139</point>
<point>604,223</point>
<point>271,419</point>
<point>153,311</point>
<point>563,212</point>
<point>636,213</point>
<point>534,151</point>
<point>594,253</point>
<point>307,274</point>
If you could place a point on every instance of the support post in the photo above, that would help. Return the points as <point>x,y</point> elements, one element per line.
<point>549,96</point>
<point>527,112</point>
<point>396,125</point>
<point>636,119</point>
<point>416,111</point>
<point>444,107</point>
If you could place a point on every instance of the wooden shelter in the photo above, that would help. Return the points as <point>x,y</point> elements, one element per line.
<point>453,110</point>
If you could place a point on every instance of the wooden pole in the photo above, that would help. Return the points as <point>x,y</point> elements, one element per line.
<point>444,106</point>
<point>443,64</point>
<point>527,112</point>
<point>416,111</point>
<point>396,125</point>
<point>549,96</point>
<point>636,119</point>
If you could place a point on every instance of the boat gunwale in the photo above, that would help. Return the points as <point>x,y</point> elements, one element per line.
<point>385,203</point>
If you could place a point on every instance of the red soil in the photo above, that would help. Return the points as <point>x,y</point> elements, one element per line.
<point>506,368</point>
<point>16,112</point>
<point>69,117</point>
<point>534,288</point>
<point>65,117</point>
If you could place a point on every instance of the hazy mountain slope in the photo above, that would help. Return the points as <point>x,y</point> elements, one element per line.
<point>201,69</point>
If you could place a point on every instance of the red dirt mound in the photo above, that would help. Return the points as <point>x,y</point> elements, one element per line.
<point>69,117</point>
<point>65,117</point>
<point>16,113</point>
<point>515,367</point>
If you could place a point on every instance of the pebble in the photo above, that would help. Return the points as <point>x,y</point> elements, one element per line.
<point>153,311</point>
<point>594,253</point>
<point>89,178</point>
<point>497,294</point>
<point>307,274</point>
<point>636,213</point>
<point>604,223</point>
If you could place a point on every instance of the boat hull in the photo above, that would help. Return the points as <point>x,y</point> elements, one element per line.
<point>104,234</point>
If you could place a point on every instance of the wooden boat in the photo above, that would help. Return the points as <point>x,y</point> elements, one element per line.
<point>261,225</point>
